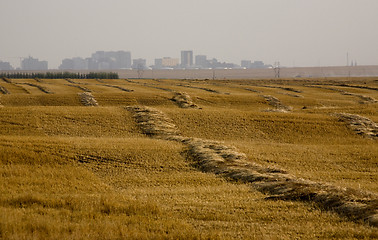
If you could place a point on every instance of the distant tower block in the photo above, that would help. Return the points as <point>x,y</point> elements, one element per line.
<point>186,59</point>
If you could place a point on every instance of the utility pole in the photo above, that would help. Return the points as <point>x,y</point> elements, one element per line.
<point>140,70</point>
<point>347,59</point>
<point>277,69</point>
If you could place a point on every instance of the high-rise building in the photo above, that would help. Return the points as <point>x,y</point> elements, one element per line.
<point>170,62</point>
<point>33,64</point>
<point>123,59</point>
<point>246,63</point>
<point>201,61</point>
<point>5,66</point>
<point>67,64</point>
<point>186,59</point>
<point>139,63</point>
<point>158,63</point>
<point>166,62</point>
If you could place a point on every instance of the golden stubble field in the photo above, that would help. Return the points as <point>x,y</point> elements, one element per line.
<point>78,163</point>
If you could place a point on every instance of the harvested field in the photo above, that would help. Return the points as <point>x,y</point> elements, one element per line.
<point>178,159</point>
<point>214,157</point>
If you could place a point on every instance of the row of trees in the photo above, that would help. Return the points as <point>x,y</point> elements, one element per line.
<point>62,75</point>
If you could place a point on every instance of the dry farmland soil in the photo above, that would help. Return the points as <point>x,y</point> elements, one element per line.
<point>188,159</point>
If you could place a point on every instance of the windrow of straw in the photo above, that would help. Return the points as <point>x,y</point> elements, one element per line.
<point>70,81</point>
<point>361,125</point>
<point>42,89</point>
<point>214,157</point>
<point>252,90</point>
<point>183,100</point>
<point>7,80</point>
<point>80,87</point>
<point>277,104</point>
<point>283,88</point>
<point>364,99</point>
<point>201,88</point>
<point>292,95</point>
<point>38,80</point>
<point>3,90</point>
<point>120,88</point>
<point>217,158</point>
<point>153,122</point>
<point>87,99</point>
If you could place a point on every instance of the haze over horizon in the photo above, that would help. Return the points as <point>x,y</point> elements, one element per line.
<point>294,32</point>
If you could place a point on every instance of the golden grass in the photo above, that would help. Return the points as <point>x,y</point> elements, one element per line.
<point>70,171</point>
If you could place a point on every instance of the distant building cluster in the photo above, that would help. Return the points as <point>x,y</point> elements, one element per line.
<point>33,64</point>
<point>28,63</point>
<point>5,66</point>
<point>113,60</point>
<point>99,60</point>
<point>248,64</point>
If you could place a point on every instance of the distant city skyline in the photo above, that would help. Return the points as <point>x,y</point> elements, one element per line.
<point>112,60</point>
<point>293,32</point>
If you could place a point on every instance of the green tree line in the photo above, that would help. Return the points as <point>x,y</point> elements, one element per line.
<point>61,75</point>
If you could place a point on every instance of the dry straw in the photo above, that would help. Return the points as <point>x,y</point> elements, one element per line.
<point>364,99</point>
<point>80,87</point>
<point>3,90</point>
<point>87,99</point>
<point>277,104</point>
<point>43,89</point>
<point>70,80</point>
<point>118,87</point>
<point>215,157</point>
<point>7,80</point>
<point>361,125</point>
<point>183,100</point>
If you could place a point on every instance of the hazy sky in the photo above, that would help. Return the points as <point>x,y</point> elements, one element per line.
<point>294,32</point>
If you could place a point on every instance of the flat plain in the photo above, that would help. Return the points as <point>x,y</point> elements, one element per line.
<point>75,163</point>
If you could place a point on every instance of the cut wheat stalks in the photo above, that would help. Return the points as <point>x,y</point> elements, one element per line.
<point>80,87</point>
<point>201,88</point>
<point>42,89</point>
<point>118,87</point>
<point>70,81</point>
<point>3,90</point>
<point>153,122</point>
<point>7,80</point>
<point>291,95</point>
<point>183,100</point>
<point>364,99</point>
<point>87,99</point>
<point>283,88</point>
<point>217,158</point>
<point>361,125</point>
<point>277,104</point>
